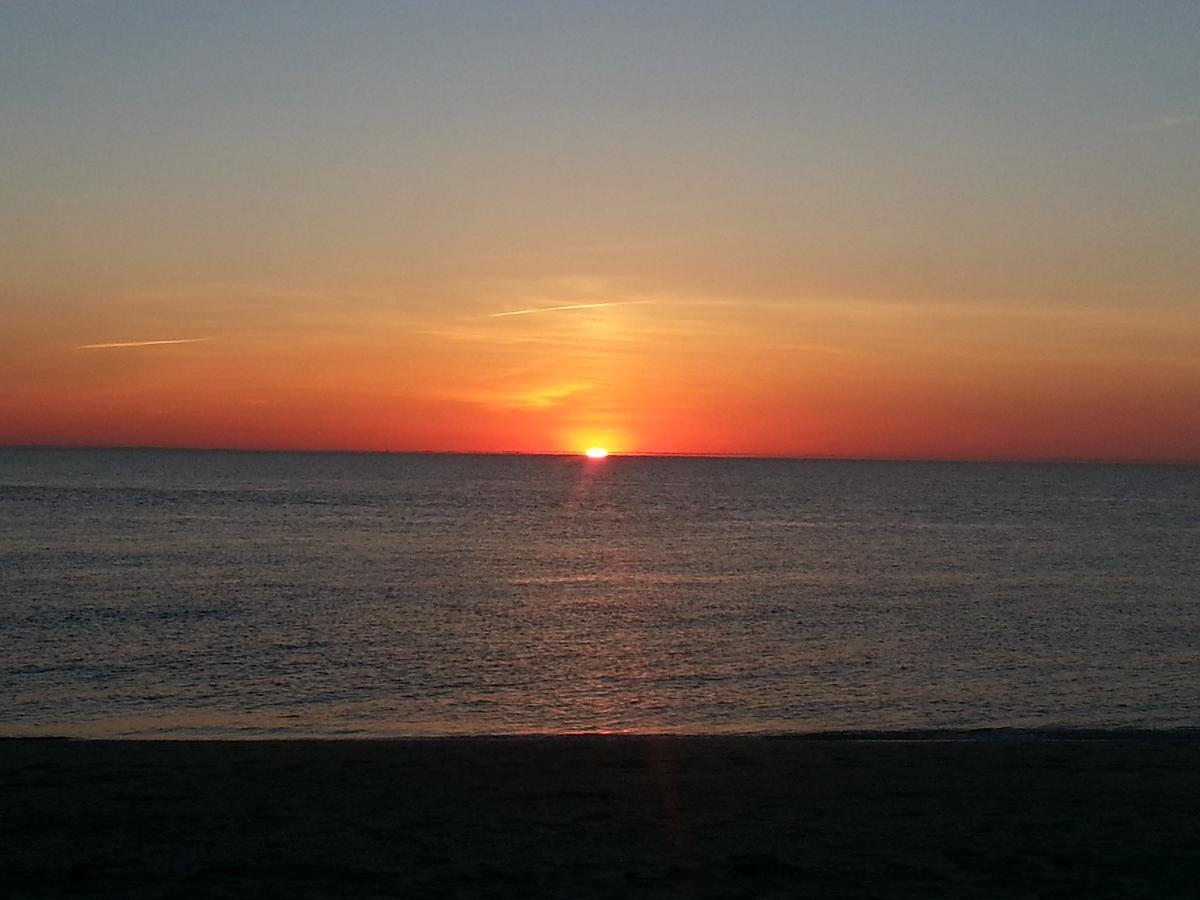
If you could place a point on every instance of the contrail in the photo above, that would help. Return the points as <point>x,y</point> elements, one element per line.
<point>1159,124</point>
<point>122,345</point>
<point>542,309</point>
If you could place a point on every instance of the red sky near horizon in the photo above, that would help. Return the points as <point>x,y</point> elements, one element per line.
<point>659,376</point>
<point>845,231</point>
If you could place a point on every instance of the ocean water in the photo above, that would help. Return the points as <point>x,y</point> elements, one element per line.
<point>182,594</point>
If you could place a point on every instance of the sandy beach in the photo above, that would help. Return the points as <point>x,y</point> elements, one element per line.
<point>601,816</point>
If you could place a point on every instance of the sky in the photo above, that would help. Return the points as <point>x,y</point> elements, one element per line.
<point>907,230</point>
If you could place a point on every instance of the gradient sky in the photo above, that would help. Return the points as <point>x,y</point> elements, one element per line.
<point>952,230</point>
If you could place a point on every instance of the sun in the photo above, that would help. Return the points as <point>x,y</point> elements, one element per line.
<point>596,453</point>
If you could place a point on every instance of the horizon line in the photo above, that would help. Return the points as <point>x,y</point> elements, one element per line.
<point>643,454</point>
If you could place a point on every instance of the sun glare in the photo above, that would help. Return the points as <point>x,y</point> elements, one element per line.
<point>596,453</point>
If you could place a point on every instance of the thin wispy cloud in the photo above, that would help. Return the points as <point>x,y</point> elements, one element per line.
<point>1160,124</point>
<point>129,345</point>
<point>544,309</point>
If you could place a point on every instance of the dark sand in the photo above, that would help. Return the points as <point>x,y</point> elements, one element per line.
<point>602,816</point>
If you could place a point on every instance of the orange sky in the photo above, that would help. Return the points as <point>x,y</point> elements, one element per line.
<point>845,231</point>
<point>647,374</point>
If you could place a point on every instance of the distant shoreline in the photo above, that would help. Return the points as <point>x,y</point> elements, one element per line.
<point>615,455</point>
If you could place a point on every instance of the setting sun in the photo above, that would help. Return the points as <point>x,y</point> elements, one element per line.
<point>596,453</point>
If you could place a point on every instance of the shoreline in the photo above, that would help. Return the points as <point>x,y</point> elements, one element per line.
<point>602,815</point>
<point>871,735</point>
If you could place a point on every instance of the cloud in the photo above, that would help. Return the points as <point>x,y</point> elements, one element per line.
<point>129,345</point>
<point>1160,124</point>
<point>542,309</point>
<point>529,399</point>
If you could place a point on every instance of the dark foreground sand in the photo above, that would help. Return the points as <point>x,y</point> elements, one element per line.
<point>601,816</point>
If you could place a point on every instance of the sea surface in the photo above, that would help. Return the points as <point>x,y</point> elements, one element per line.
<point>188,594</point>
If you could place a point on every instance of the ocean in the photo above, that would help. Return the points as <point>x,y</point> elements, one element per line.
<point>233,594</point>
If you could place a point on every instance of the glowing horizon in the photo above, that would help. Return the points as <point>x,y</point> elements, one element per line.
<point>654,230</point>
